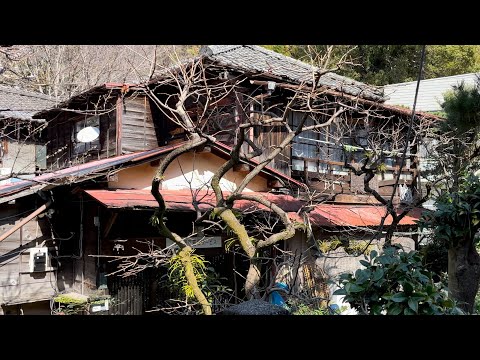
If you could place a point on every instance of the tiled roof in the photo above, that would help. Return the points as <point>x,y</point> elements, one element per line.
<point>22,104</point>
<point>256,59</point>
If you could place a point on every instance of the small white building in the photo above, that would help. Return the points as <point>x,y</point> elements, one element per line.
<point>430,92</point>
<point>430,98</point>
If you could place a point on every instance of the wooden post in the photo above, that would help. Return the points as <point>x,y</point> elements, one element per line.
<point>118,125</point>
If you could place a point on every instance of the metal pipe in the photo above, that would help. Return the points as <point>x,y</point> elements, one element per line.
<point>26,220</point>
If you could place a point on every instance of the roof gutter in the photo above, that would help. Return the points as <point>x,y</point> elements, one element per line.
<point>26,220</point>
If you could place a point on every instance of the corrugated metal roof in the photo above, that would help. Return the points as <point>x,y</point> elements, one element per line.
<point>356,215</point>
<point>430,91</point>
<point>328,215</point>
<point>79,173</point>
<point>257,59</point>
<point>181,200</point>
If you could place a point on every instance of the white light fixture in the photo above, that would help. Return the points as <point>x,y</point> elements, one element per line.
<point>271,85</point>
<point>88,134</point>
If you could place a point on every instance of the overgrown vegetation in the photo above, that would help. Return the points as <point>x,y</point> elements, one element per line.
<point>176,273</point>
<point>455,224</point>
<point>212,285</point>
<point>304,309</point>
<point>435,258</point>
<point>351,247</point>
<point>75,304</point>
<point>389,64</point>
<point>393,283</point>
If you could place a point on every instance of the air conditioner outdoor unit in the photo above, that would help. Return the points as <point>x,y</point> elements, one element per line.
<point>39,260</point>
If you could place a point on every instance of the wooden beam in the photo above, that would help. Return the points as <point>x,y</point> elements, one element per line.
<point>118,126</point>
<point>392,182</point>
<point>109,224</point>
<point>26,220</point>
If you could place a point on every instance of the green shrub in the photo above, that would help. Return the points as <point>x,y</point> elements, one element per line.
<point>394,283</point>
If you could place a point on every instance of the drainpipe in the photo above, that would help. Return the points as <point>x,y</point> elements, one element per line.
<point>26,220</point>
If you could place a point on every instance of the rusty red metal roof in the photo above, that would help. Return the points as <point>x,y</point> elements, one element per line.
<point>102,88</point>
<point>78,173</point>
<point>182,200</point>
<point>325,215</point>
<point>356,215</point>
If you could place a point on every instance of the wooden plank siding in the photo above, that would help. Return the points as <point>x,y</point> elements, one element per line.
<point>61,140</point>
<point>17,284</point>
<point>137,127</point>
<point>267,138</point>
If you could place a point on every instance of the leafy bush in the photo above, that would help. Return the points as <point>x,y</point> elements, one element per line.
<point>458,214</point>
<point>435,258</point>
<point>177,277</point>
<point>299,307</point>
<point>395,283</point>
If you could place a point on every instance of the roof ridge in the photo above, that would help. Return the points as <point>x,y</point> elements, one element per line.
<point>212,50</point>
<point>279,55</point>
<point>287,67</point>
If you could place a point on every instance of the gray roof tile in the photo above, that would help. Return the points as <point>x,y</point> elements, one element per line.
<point>257,59</point>
<point>22,104</point>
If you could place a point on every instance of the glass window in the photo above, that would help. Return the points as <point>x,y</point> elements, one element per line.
<point>83,147</point>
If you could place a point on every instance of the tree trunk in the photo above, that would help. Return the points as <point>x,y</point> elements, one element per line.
<point>464,274</point>
<point>253,279</point>
<point>389,235</point>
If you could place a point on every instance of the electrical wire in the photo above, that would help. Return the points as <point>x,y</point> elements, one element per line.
<point>403,158</point>
<point>410,124</point>
<point>16,215</point>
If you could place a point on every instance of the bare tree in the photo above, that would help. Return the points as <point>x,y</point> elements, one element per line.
<point>209,109</point>
<point>193,102</point>
<point>65,70</point>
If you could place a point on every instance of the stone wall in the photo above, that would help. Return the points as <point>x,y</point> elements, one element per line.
<point>313,273</point>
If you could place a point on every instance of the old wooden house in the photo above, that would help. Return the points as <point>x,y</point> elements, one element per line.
<point>21,152</point>
<point>95,197</point>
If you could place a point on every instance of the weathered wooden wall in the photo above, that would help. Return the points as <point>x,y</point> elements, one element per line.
<point>17,284</point>
<point>84,265</point>
<point>61,141</point>
<point>138,129</point>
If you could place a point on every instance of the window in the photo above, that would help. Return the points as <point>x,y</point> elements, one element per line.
<point>83,147</point>
<point>319,148</point>
<point>305,145</point>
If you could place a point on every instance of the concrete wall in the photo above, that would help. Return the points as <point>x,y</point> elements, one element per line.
<point>316,273</point>
<point>194,168</point>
